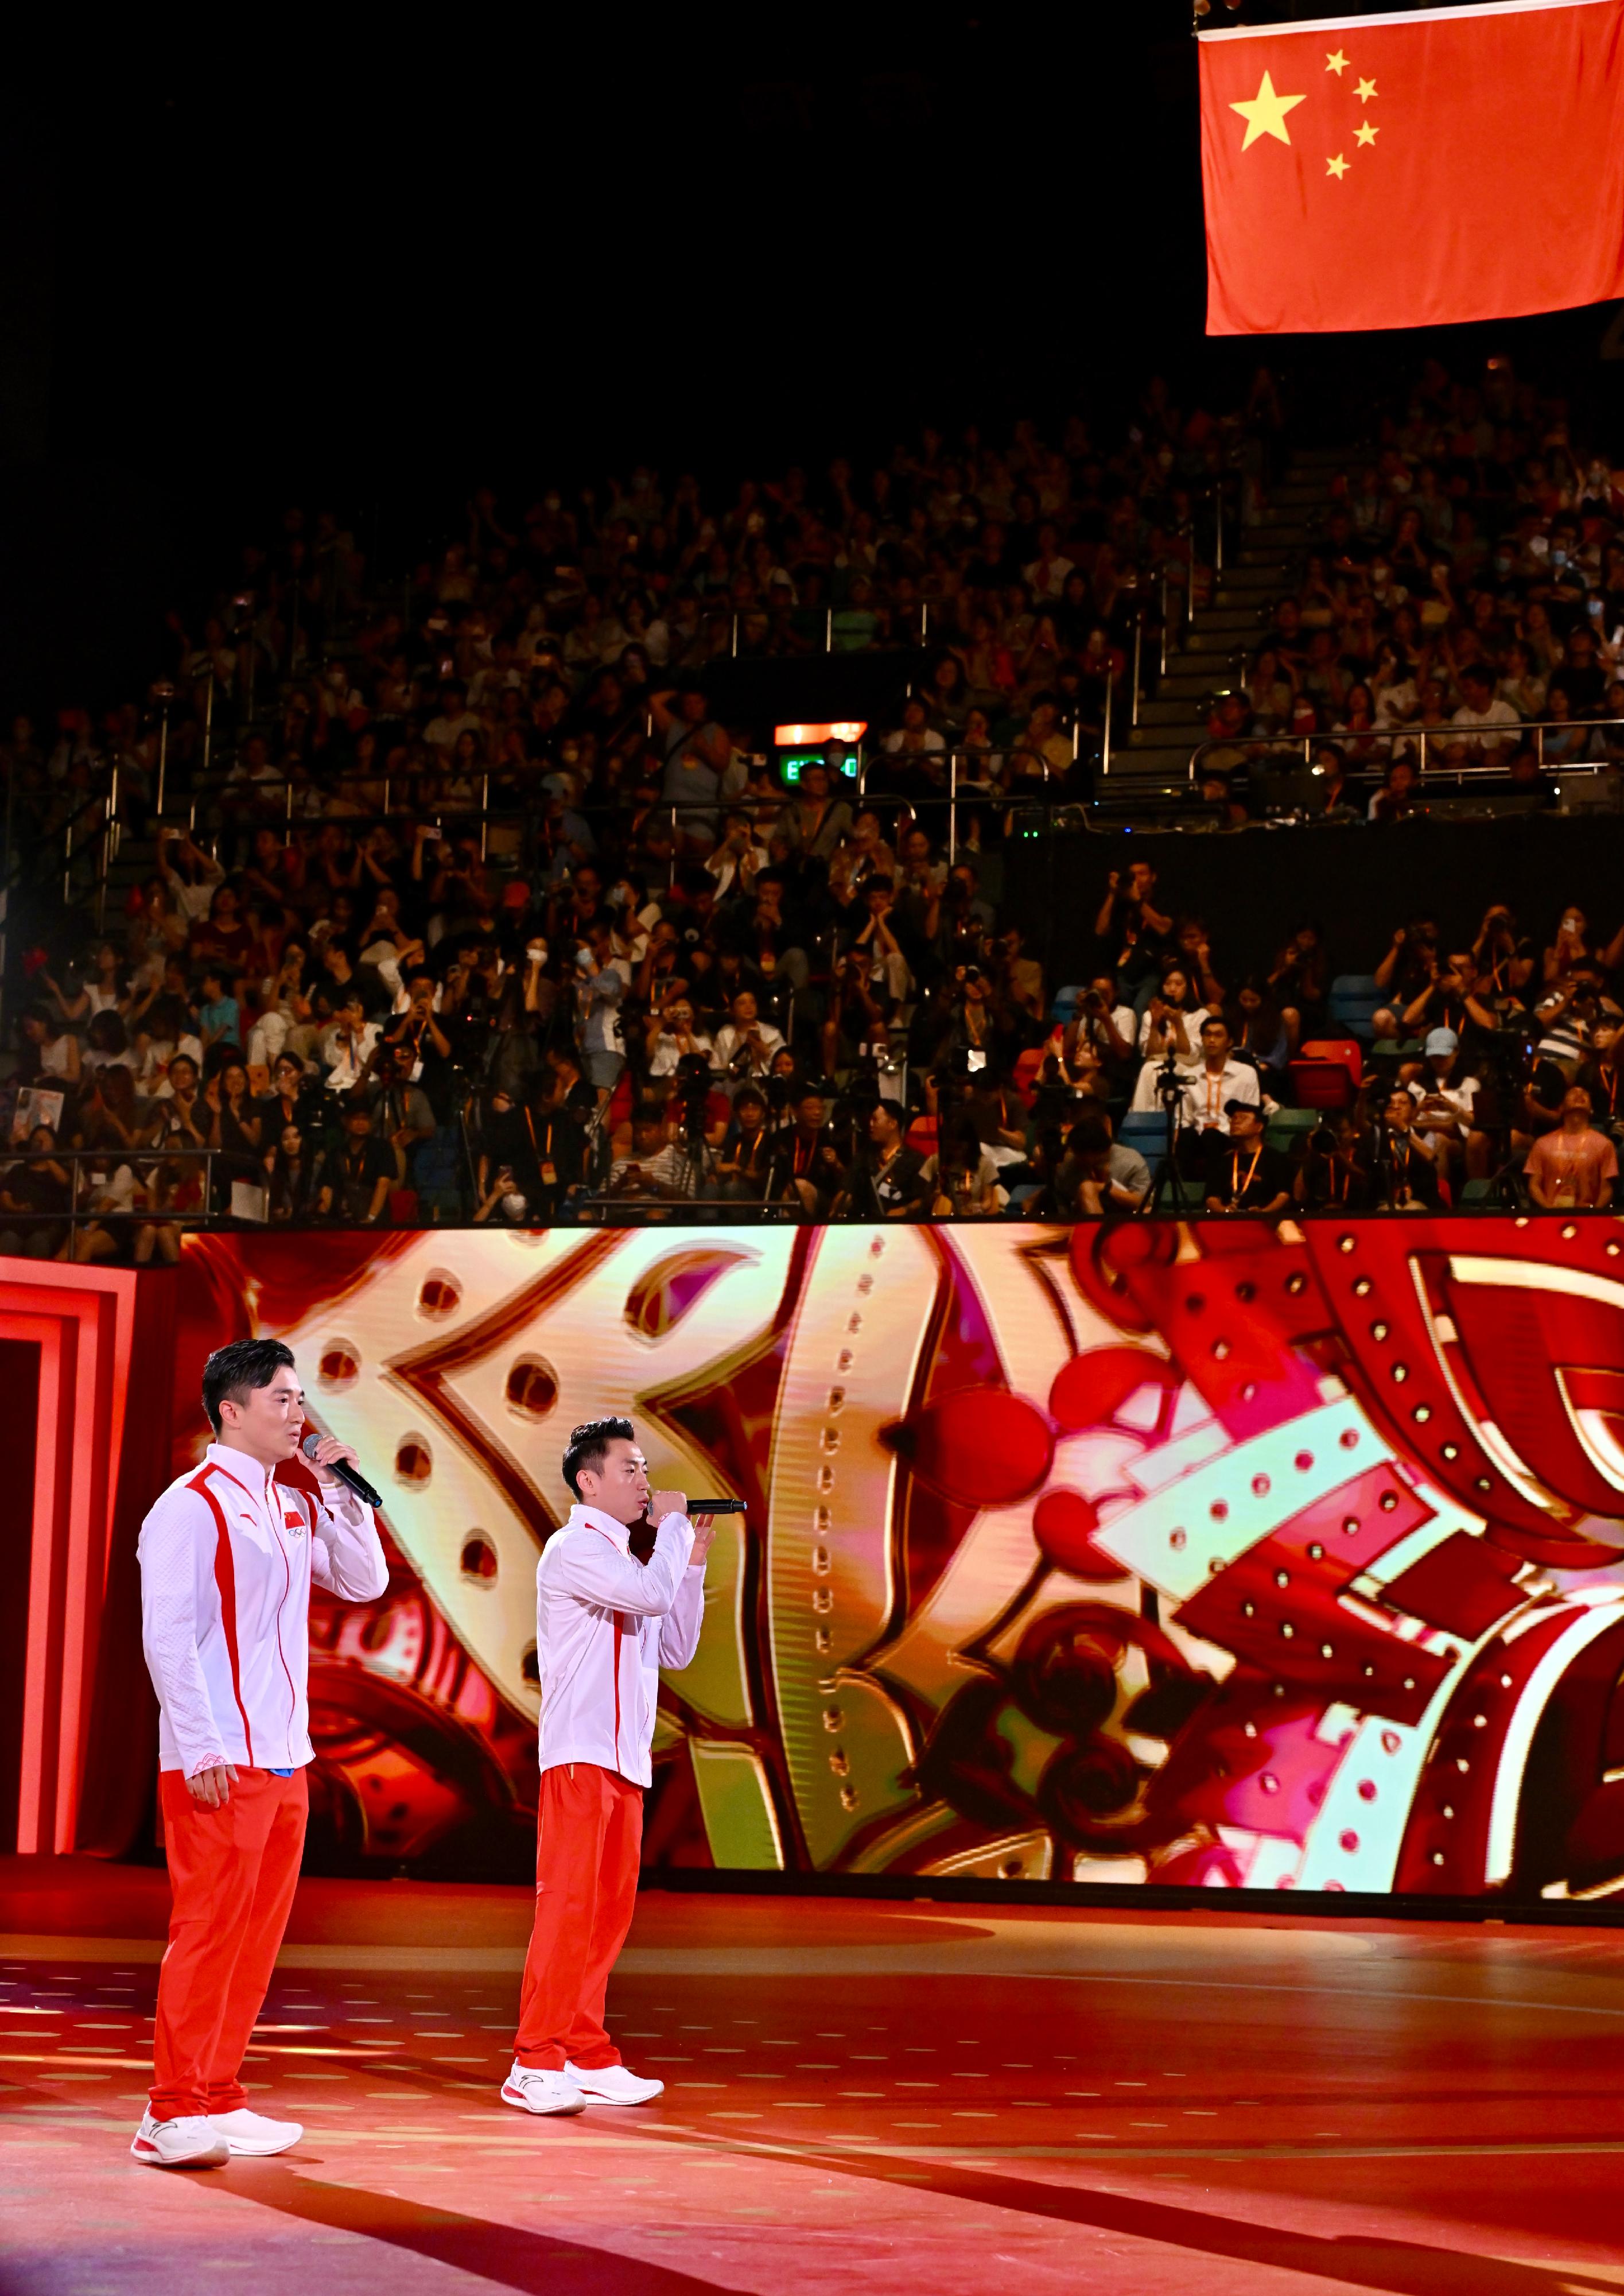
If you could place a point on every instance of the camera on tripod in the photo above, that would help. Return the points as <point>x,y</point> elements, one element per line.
<point>692,1090</point>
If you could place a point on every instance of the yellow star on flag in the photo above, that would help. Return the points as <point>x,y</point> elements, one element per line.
<point>1336,62</point>
<point>1264,113</point>
<point>1367,89</point>
<point>1364,132</point>
<point>1337,167</point>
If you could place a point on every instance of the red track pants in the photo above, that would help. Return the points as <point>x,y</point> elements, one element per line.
<point>589,1834</point>
<point>233,1873</point>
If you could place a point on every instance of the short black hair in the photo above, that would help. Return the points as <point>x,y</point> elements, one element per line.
<point>588,1445</point>
<point>233,1372</point>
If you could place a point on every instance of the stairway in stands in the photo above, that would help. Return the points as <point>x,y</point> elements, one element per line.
<point>1154,757</point>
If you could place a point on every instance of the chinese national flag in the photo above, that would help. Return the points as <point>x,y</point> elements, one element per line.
<point>1399,171</point>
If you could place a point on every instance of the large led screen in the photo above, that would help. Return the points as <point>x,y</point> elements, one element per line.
<point>1219,1555</point>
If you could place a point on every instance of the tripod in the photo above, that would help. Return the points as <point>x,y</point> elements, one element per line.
<point>1170,1183</point>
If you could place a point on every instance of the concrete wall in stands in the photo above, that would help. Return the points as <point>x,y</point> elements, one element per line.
<point>1253,886</point>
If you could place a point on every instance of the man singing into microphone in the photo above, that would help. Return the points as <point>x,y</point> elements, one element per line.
<point>227,1557</point>
<point>605,1623</point>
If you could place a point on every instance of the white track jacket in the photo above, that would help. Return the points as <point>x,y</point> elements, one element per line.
<point>605,1625</point>
<point>227,1558</point>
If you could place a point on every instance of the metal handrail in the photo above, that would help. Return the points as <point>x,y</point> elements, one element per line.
<point>1399,739</point>
<point>80,1214</point>
<point>624,1211</point>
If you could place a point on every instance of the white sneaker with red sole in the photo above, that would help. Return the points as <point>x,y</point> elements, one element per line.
<point>614,2084</point>
<point>191,2141</point>
<point>251,2132</point>
<point>537,2088</point>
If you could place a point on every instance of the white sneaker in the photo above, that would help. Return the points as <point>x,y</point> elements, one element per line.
<point>191,2141</point>
<point>250,2132</point>
<point>535,2088</point>
<point>614,2084</point>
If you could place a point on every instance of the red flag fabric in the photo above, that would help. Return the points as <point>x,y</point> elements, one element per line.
<point>1401,171</point>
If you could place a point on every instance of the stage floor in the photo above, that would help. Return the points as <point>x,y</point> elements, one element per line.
<point>1244,2106</point>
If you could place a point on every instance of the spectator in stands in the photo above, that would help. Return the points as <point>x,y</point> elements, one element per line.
<point>1444,1099</point>
<point>36,1198</point>
<point>1244,1174</point>
<point>745,1043</point>
<point>1335,1175</point>
<point>1406,1174</point>
<point>1099,1173</point>
<point>289,1168</point>
<point>744,1162</point>
<point>562,656</point>
<point>888,1180</point>
<point>807,1169</point>
<point>1169,1031</point>
<point>960,1181</point>
<point>1575,1166</point>
<point>357,1174</point>
<point>1212,1087</point>
<point>49,1051</point>
<point>1480,712</point>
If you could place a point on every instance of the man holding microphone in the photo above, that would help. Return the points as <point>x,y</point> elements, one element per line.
<point>228,1556</point>
<point>605,1623</point>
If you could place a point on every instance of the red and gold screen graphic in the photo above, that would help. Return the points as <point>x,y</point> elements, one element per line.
<point>1219,1555</point>
<point>1216,1555</point>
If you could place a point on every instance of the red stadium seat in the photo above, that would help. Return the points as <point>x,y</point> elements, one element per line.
<point>1344,1049</point>
<point>1322,1084</point>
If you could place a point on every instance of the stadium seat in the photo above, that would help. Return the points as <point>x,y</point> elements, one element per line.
<point>1288,1126</point>
<point>1066,1003</point>
<point>1322,1084</point>
<point>1345,1049</point>
<point>1352,1003</point>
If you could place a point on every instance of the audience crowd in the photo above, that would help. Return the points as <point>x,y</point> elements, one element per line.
<point>1465,581</point>
<point>488,917</point>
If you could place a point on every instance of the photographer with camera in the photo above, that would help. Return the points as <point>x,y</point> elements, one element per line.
<point>1134,931</point>
<point>1169,1037</point>
<point>1336,1169</point>
<point>1405,1172</point>
<point>1449,1000</point>
<point>671,1036</point>
<point>857,1018</point>
<point>1406,970</point>
<point>1104,1029</point>
<point>1504,958</point>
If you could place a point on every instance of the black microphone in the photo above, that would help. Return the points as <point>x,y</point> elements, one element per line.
<point>715,1506</point>
<point>352,1476</point>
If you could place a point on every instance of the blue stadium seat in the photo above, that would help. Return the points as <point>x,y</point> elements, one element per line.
<point>1353,999</point>
<point>1065,1004</point>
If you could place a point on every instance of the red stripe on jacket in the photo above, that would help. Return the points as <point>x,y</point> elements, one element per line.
<point>225,1579</point>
